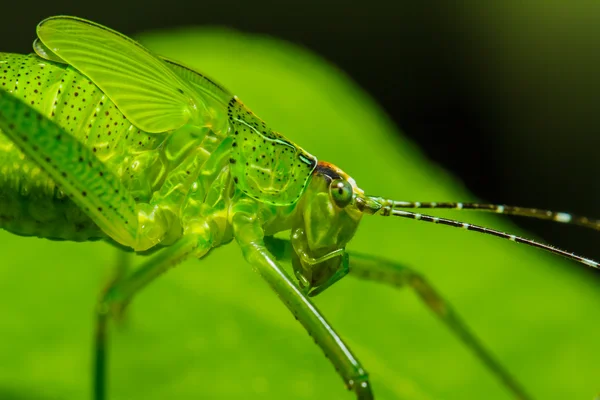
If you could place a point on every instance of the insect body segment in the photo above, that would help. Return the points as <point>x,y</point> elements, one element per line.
<point>266,165</point>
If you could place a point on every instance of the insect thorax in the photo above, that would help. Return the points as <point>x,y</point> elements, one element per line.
<point>265,165</point>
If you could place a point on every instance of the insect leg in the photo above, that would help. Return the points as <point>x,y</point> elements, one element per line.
<point>116,297</point>
<point>385,271</point>
<point>119,272</point>
<point>73,166</point>
<point>389,272</point>
<point>249,236</point>
<point>121,269</point>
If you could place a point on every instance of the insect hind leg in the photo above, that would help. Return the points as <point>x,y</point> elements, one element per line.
<point>385,271</point>
<point>392,273</point>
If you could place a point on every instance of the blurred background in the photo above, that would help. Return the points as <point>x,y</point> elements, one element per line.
<point>504,94</point>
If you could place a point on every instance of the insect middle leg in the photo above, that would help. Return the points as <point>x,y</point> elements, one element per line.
<point>121,292</point>
<point>389,272</point>
<point>121,268</point>
<point>385,271</point>
<point>102,196</point>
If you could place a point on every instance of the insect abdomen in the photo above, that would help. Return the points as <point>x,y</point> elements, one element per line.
<point>30,202</point>
<point>32,205</point>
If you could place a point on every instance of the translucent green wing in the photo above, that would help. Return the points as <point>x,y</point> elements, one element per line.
<point>44,52</point>
<point>201,82</point>
<point>152,96</point>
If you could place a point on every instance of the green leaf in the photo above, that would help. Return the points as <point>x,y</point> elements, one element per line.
<point>212,329</point>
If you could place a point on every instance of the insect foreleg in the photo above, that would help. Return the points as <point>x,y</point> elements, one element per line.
<point>121,292</point>
<point>385,271</point>
<point>249,236</point>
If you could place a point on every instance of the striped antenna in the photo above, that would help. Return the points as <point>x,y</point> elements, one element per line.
<point>380,206</point>
<point>536,213</point>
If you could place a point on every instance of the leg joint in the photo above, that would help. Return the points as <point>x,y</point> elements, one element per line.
<point>361,386</point>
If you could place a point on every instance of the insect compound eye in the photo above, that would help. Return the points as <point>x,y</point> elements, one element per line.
<point>341,192</point>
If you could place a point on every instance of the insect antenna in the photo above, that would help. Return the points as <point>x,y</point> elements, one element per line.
<point>379,206</point>
<point>536,213</point>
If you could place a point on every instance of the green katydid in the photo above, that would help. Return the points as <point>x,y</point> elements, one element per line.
<point>150,155</point>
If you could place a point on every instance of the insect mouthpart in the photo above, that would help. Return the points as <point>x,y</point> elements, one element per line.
<point>316,270</point>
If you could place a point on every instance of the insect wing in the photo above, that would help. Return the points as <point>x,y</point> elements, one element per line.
<point>200,82</point>
<point>144,88</point>
<point>44,52</point>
